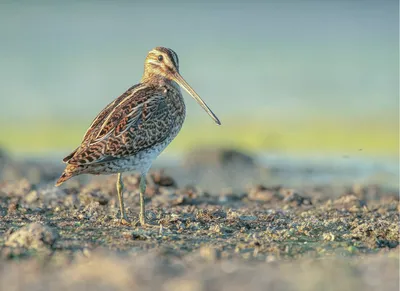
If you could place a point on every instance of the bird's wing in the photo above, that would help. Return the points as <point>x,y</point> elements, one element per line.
<point>107,110</point>
<point>136,120</point>
<point>100,117</point>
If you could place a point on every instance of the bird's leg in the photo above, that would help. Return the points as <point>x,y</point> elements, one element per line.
<point>142,189</point>
<point>142,217</point>
<point>120,189</point>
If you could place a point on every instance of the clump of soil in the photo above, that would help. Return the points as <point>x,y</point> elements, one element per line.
<point>33,235</point>
<point>267,237</point>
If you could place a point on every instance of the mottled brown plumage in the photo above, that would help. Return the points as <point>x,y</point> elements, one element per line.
<point>130,132</point>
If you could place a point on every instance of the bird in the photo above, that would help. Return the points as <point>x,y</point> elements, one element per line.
<point>131,131</point>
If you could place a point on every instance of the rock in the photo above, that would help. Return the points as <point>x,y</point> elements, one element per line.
<point>261,193</point>
<point>294,198</point>
<point>191,192</point>
<point>17,189</point>
<point>95,195</point>
<point>210,253</point>
<point>270,258</point>
<point>32,236</point>
<point>48,195</point>
<point>32,197</point>
<point>160,179</point>
<point>169,198</point>
<point>220,158</point>
<point>139,235</point>
<point>217,168</point>
<point>219,214</point>
<point>348,201</point>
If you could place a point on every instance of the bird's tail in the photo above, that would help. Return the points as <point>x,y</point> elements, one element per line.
<point>69,172</point>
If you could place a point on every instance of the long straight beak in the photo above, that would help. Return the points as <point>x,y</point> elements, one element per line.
<point>178,78</point>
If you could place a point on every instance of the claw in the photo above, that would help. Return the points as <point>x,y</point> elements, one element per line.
<point>124,221</point>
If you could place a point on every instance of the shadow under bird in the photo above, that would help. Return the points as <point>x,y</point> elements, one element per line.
<point>136,127</point>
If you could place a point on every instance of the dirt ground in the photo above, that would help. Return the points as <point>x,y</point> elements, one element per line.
<point>266,237</point>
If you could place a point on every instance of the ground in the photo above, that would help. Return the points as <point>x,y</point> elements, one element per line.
<point>266,237</point>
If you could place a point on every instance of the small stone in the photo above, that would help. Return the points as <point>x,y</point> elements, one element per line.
<point>232,214</point>
<point>261,193</point>
<point>219,213</point>
<point>71,201</point>
<point>19,189</point>
<point>34,236</point>
<point>151,215</point>
<point>270,259</point>
<point>86,252</point>
<point>351,249</point>
<point>328,236</point>
<point>210,253</point>
<point>13,206</point>
<point>215,228</point>
<point>181,226</point>
<point>51,194</point>
<point>349,201</point>
<point>248,218</point>
<point>94,196</point>
<point>32,197</point>
<point>161,179</point>
<point>218,158</point>
<point>139,235</point>
<point>293,197</point>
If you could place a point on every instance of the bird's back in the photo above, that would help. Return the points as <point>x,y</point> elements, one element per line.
<point>141,118</point>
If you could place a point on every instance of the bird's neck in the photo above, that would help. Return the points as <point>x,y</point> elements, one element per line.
<point>158,80</point>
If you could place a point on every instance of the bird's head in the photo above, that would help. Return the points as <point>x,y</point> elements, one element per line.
<point>163,63</point>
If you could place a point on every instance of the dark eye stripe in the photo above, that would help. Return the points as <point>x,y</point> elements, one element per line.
<point>171,55</point>
<point>174,58</point>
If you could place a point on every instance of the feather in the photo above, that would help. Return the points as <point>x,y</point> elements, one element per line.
<point>136,120</point>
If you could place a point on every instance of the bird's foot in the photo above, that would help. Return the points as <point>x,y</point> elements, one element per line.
<point>145,225</point>
<point>124,221</point>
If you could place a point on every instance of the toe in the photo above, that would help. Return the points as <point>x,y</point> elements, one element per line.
<point>125,221</point>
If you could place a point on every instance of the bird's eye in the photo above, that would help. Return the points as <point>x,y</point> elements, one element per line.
<point>160,58</point>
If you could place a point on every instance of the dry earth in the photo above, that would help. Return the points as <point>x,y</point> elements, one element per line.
<point>266,237</point>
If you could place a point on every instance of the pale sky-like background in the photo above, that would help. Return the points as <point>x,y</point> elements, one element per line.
<point>68,59</point>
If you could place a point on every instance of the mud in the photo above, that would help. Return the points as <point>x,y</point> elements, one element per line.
<point>265,237</point>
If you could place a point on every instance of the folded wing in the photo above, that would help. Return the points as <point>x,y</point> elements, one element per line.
<point>135,121</point>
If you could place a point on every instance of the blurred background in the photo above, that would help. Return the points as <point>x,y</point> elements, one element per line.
<point>294,82</point>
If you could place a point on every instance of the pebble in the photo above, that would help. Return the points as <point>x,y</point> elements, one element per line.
<point>210,253</point>
<point>32,236</point>
<point>248,218</point>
